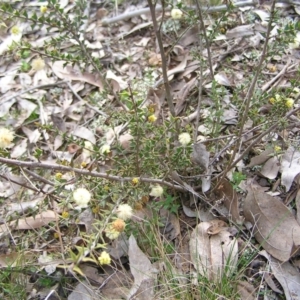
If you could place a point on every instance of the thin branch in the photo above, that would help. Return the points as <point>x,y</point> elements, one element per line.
<point>163,59</point>
<point>36,165</point>
<point>200,15</point>
<point>200,83</point>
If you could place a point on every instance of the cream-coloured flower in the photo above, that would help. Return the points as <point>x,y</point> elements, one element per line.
<point>296,43</point>
<point>6,137</point>
<point>38,64</point>
<point>124,212</point>
<point>88,149</point>
<point>278,98</point>
<point>156,191</point>
<point>184,138</point>
<point>289,103</point>
<point>277,148</point>
<point>105,149</point>
<point>16,30</point>
<point>82,197</point>
<point>176,13</point>
<point>111,233</point>
<point>104,258</point>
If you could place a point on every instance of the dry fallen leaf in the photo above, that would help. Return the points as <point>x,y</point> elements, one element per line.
<point>271,168</point>
<point>246,290</point>
<point>213,256</point>
<point>200,156</point>
<point>74,73</point>
<point>37,221</point>
<point>142,271</point>
<point>85,133</point>
<point>287,275</point>
<point>274,225</point>
<point>261,158</point>
<point>290,167</point>
<point>216,226</point>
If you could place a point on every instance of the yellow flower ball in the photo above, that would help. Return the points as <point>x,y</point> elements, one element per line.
<point>277,148</point>
<point>56,235</point>
<point>152,118</point>
<point>289,103</point>
<point>135,181</point>
<point>65,215</point>
<point>272,100</point>
<point>58,176</point>
<point>104,258</point>
<point>83,164</point>
<point>43,9</point>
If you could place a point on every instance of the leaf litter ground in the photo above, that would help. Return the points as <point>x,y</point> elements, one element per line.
<point>212,229</point>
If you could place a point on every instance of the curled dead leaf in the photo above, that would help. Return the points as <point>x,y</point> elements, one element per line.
<point>213,256</point>
<point>216,226</point>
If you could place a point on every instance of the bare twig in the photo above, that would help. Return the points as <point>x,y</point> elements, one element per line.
<point>280,74</point>
<point>38,177</point>
<point>36,165</point>
<point>203,30</point>
<point>200,82</point>
<point>163,58</point>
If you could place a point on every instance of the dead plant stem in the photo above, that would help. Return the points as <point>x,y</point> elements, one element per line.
<point>202,28</point>
<point>200,82</point>
<point>36,165</point>
<point>163,58</point>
